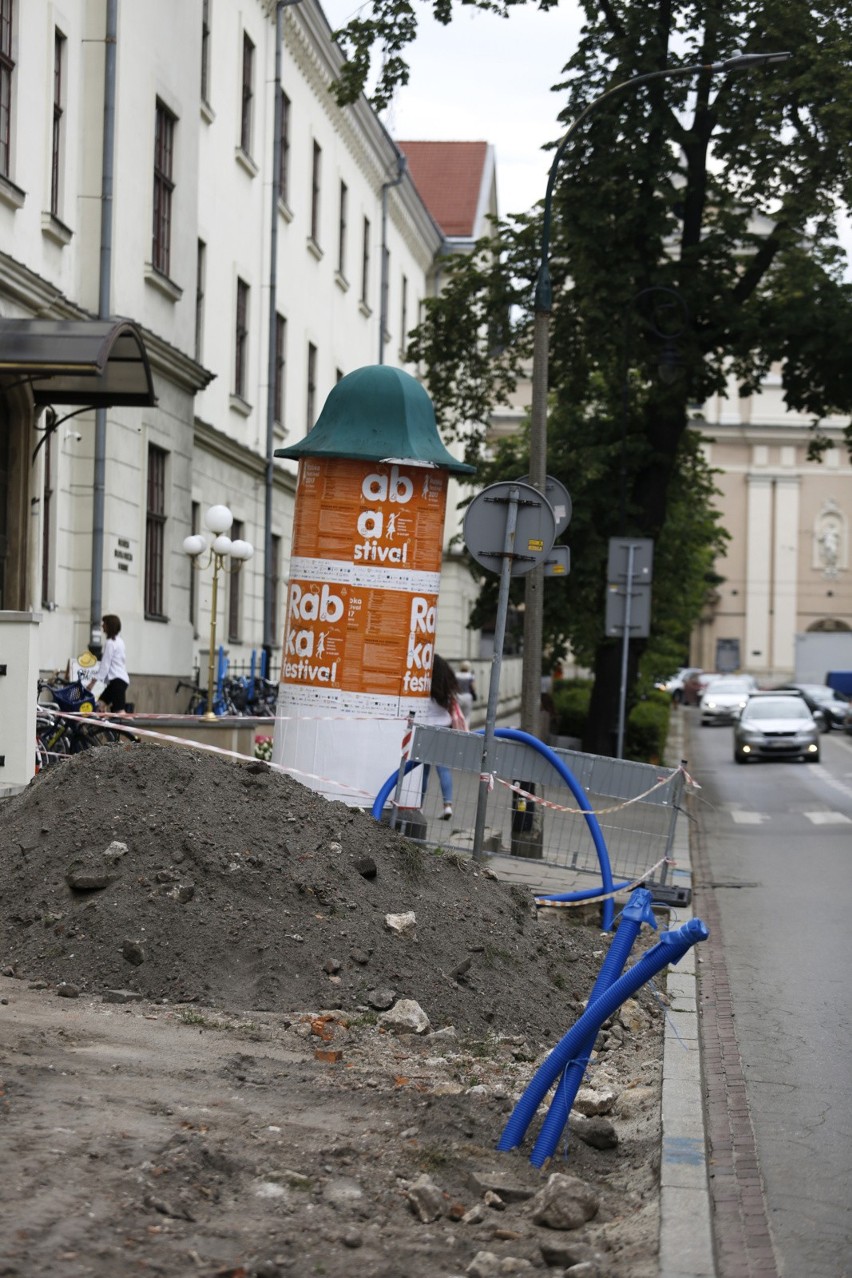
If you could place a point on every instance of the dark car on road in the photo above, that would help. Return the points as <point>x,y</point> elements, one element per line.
<point>834,706</point>
<point>776,725</point>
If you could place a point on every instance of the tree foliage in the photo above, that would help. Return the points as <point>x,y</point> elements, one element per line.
<point>694,237</point>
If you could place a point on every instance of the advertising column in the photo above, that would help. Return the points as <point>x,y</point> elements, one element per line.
<point>362,595</point>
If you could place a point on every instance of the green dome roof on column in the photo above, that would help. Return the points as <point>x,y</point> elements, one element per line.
<point>378,413</point>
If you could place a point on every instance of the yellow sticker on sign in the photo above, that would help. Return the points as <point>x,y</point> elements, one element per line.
<point>535,544</point>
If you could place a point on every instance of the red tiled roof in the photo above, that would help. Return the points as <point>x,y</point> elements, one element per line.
<point>448,176</point>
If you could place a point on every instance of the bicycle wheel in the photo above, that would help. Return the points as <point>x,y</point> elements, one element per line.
<point>52,743</point>
<point>88,736</point>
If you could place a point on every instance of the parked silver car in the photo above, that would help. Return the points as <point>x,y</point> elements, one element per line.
<point>724,698</point>
<point>776,725</point>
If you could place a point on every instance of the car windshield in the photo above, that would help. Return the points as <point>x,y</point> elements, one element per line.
<point>727,685</point>
<point>778,708</point>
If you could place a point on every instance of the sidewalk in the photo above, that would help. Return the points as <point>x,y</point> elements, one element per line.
<point>686,1238</point>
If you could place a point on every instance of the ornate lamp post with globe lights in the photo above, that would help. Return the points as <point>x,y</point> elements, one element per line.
<point>220,549</point>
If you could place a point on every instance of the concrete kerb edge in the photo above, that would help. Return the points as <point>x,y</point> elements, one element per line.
<point>686,1236</point>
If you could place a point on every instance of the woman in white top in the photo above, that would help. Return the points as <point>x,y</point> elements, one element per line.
<point>112,668</point>
<point>439,714</point>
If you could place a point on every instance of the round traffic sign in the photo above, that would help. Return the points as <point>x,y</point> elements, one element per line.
<point>485,527</point>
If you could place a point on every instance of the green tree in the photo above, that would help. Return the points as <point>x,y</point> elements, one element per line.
<point>721,191</point>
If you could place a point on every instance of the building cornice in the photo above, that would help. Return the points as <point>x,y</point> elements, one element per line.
<point>226,449</point>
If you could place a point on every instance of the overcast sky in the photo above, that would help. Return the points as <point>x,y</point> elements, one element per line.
<point>484,78</point>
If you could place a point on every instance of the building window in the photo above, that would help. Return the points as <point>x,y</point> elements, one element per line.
<point>365,262</point>
<point>7,67</point>
<point>205,51</point>
<point>341,230</point>
<point>194,527</point>
<point>316,165</point>
<point>312,385</point>
<point>234,589</point>
<point>403,314</point>
<point>241,340</point>
<point>155,532</point>
<point>200,286</point>
<point>284,150</point>
<point>58,131</point>
<point>164,136</point>
<point>248,95</point>
<point>280,364</point>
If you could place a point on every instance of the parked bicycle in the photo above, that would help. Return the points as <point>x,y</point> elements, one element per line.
<point>58,736</point>
<point>235,696</point>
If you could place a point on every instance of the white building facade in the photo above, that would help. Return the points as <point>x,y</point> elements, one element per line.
<point>142,177</point>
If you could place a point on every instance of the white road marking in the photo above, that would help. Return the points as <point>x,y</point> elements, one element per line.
<point>828,818</point>
<point>750,818</point>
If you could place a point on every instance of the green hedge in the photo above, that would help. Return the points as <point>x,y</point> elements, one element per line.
<point>571,699</point>
<point>647,723</point>
<point>648,729</point>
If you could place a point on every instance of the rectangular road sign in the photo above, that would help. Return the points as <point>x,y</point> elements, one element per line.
<point>619,557</point>
<point>640,609</point>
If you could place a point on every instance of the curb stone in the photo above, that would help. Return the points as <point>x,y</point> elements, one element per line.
<point>686,1235</point>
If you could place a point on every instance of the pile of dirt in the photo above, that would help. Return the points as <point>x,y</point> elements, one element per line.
<point>189,878</point>
<point>216,1093</point>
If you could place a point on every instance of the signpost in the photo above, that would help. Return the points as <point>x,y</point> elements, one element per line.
<point>628,604</point>
<point>508,528</point>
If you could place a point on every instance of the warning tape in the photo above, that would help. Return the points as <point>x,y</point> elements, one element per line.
<point>618,807</point>
<point>592,900</point>
<point>135,731</point>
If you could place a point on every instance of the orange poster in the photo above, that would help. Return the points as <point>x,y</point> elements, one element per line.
<point>363,590</point>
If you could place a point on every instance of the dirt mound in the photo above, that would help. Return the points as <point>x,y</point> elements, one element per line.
<point>184,877</point>
<point>248,1115</point>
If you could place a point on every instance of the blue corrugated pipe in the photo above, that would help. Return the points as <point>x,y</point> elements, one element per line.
<point>637,911</point>
<point>607,906</point>
<point>585,894</point>
<point>669,949</point>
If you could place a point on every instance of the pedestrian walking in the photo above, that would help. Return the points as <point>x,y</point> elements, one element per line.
<point>112,667</point>
<point>443,699</point>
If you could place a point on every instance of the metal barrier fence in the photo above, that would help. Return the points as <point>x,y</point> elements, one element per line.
<point>636,805</point>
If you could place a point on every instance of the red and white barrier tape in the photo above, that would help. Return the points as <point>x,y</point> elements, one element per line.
<point>604,896</point>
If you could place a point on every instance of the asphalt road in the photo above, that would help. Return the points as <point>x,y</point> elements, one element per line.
<point>779,846</point>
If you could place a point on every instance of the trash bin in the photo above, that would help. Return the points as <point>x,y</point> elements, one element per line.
<point>526,823</point>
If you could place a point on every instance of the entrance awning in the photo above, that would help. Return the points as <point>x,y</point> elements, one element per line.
<point>90,362</point>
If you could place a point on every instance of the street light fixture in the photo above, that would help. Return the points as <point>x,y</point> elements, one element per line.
<point>542,307</point>
<point>218,549</point>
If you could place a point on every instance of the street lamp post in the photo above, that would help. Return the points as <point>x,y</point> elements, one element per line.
<point>542,307</point>
<point>219,550</point>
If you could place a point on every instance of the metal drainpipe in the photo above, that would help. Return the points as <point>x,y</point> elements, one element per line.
<point>268,578</point>
<point>401,165</point>
<point>99,480</point>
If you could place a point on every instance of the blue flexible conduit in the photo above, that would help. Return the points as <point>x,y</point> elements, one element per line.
<point>637,911</point>
<point>669,949</point>
<point>585,894</point>
<point>607,885</point>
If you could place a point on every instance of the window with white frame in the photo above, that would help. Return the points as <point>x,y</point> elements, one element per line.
<point>205,51</point>
<point>247,114</point>
<point>155,533</point>
<point>7,72</point>
<point>57,148</point>
<point>164,142</point>
<point>241,335</point>
<point>312,387</point>
<point>316,179</point>
<point>365,263</point>
<point>284,150</point>
<point>341,230</point>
